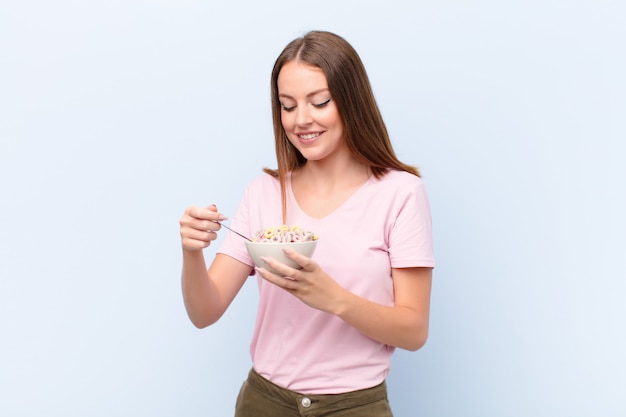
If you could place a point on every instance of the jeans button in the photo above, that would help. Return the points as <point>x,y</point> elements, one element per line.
<point>306,402</point>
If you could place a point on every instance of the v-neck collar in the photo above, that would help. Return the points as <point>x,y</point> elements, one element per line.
<point>294,202</point>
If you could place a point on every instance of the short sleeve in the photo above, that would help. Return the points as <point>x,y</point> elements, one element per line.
<point>234,245</point>
<point>259,206</point>
<point>410,239</point>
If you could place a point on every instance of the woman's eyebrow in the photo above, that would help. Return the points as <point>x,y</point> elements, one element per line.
<point>321,90</point>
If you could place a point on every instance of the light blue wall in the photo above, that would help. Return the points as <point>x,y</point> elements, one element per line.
<point>116,115</point>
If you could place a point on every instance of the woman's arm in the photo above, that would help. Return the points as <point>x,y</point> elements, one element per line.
<point>404,325</point>
<point>207,294</point>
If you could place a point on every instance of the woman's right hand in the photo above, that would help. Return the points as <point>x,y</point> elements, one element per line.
<point>199,226</point>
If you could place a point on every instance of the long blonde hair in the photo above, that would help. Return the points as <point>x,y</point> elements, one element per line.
<point>365,132</point>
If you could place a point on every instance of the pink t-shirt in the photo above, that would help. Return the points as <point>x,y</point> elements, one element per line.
<point>385,224</point>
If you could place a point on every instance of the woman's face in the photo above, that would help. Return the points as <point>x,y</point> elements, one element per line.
<point>308,113</point>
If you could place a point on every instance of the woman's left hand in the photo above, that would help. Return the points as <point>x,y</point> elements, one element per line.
<point>310,284</point>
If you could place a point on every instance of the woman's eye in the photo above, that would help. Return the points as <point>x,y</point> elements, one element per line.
<point>320,105</point>
<point>287,108</point>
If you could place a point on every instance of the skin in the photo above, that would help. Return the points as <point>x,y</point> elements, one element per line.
<point>330,176</point>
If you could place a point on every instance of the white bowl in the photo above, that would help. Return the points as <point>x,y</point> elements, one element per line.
<point>275,251</point>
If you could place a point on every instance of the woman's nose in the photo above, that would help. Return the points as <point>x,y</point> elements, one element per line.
<point>303,115</point>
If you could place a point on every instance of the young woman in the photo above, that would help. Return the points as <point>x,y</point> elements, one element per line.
<point>325,333</point>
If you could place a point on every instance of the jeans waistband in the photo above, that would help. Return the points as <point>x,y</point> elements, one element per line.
<point>334,401</point>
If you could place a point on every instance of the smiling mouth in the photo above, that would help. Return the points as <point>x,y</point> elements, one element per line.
<point>309,136</point>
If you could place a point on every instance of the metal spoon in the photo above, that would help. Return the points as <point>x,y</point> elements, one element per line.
<point>237,233</point>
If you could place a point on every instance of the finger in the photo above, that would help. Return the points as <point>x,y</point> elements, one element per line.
<point>282,269</point>
<point>285,283</point>
<point>192,245</point>
<point>200,235</point>
<point>206,213</point>
<point>220,216</point>
<point>192,223</point>
<point>209,226</point>
<point>193,240</point>
<point>306,263</point>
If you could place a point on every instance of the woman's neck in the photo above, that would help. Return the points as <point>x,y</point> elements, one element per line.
<point>328,174</point>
